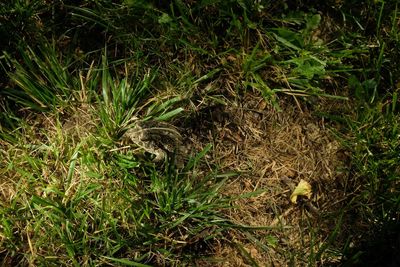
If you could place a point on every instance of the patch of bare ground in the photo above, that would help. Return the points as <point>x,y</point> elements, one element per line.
<point>273,151</point>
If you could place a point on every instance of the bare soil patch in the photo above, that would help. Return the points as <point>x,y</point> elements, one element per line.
<point>272,151</point>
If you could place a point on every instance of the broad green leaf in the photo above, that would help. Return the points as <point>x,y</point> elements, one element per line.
<point>309,71</point>
<point>312,22</point>
<point>164,19</point>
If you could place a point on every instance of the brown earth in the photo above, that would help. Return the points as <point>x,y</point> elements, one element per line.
<point>272,151</point>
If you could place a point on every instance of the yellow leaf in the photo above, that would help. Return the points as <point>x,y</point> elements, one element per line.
<point>302,189</point>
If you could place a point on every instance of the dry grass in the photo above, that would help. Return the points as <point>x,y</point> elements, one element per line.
<point>272,151</point>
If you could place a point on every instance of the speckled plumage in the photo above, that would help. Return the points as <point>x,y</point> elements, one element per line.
<point>158,138</point>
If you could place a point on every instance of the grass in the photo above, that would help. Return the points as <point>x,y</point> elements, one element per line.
<point>75,77</point>
<point>85,201</point>
<point>374,142</point>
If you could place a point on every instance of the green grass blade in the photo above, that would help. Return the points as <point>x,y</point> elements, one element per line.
<point>126,262</point>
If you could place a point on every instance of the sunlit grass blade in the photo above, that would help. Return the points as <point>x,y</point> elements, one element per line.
<point>41,81</point>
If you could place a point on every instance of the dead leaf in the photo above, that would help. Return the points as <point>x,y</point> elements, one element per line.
<point>231,58</point>
<point>302,189</point>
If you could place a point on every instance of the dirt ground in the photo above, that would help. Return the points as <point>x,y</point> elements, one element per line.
<point>272,151</point>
